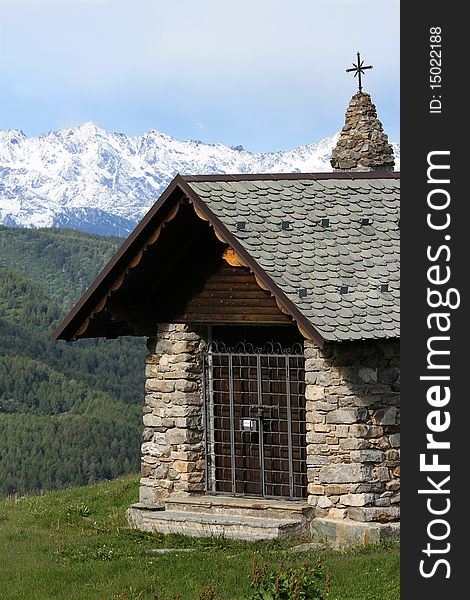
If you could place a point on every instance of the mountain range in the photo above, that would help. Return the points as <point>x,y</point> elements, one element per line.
<point>88,179</point>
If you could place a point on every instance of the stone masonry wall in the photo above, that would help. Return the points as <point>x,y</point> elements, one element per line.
<point>173,448</point>
<point>353,440</point>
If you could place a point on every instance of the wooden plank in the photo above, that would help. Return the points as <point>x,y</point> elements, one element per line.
<point>229,309</point>
<point>254,294</point>
<point>238,302</point>
<point>226,276</point>
<point>231,318</point>
<point>209,284</point>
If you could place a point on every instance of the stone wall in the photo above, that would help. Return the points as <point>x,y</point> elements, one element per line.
<point>173,448</point>
<point>353,440</point>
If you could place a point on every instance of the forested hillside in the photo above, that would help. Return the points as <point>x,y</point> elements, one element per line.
<point>69,413</point>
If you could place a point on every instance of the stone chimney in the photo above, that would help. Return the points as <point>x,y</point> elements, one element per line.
<point>362,145</point>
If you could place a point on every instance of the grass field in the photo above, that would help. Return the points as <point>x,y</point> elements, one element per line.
<point>74,545</point>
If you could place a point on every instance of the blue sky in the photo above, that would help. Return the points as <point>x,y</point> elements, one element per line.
<point>267,74</point>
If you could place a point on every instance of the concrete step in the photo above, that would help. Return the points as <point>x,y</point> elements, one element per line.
<point>207,525</point>
<point>241,507</point>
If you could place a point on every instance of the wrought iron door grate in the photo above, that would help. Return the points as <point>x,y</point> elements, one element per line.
<point>255,423</point>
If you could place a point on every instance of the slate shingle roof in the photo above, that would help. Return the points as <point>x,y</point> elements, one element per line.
<point>317,258</point>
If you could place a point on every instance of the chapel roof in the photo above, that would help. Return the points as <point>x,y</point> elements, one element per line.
<point>325,245</point>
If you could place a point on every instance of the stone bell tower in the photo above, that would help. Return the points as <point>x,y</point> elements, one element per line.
<point>362,145</point>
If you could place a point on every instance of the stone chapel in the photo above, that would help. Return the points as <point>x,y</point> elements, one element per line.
<point>271,307</point>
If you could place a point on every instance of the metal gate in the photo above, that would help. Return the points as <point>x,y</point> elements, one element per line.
<point>255,421</point>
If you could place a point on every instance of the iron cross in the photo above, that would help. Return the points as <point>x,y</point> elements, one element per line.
<point>359,70</point>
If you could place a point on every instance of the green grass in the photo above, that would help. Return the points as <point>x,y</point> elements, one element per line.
<point>74,545</point>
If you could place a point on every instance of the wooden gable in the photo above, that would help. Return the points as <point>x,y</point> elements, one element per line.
<point>185,274</point>
<point>229,294</point>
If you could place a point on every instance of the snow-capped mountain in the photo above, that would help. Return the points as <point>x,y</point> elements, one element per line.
<point>100,182</point>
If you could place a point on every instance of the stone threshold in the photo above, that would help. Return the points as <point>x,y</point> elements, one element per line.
<point>239,502</point>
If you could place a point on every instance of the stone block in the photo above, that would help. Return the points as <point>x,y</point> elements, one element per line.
<point>395,440</point>
<point>361,430</point>
<point>147,495</point>
<point>311,351</point>
<point>393,485</point>
<point>323,530</point>
<point>388,375</point>
<point>339,390</point>
<point>344,473</point>
<point>357,499</point>
<point>183,466</point>
<point>182,410</point>
<point>373,513</point>
<point>311,377</point>
<point>382,502</point>
<point>188,398</point>
<point>184,455</point>
<point>366,456</point>
<point>314,392</point>
<point>376,487</point>
<point>159,346</point>
<point>392,455</point>
<point>337,489</point>
<point>146,470</point>
<point>357,399</point>
<point>337,513</point>
<point>342,431</point>
<point>147,434</point>
<point>150,420</point>
<point>188,486</point>
<point>332,441</point>
<point>346,415</point>
<point>161,385</point>
<point>353,443</point>
<point>160,472</point>
<point>149,482</point>
<point>313,416</point>
<point>189,422</point>
<point>186,385</point>
<point>315,489</point>
<point>344,533</point>
<point>183,347</point>
<point>324,378</point>
<point>315,438</point>
<point>181,358</point>
<point>367,374</point>
<point>385,416</point>
<point>156,450</point>
<point>193,477</point>
<point>382,473</point>
<point>177,436</point>
<point>322,427</point>
<point>324,502</point>
<point>391,399</point>
<point>316,460</point>
<point>314,364</point>
<point>324,406</point>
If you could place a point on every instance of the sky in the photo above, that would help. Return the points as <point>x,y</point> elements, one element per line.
<point>266,74</point>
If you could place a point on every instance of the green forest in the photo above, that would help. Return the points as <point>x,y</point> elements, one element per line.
<point>70,413</point>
